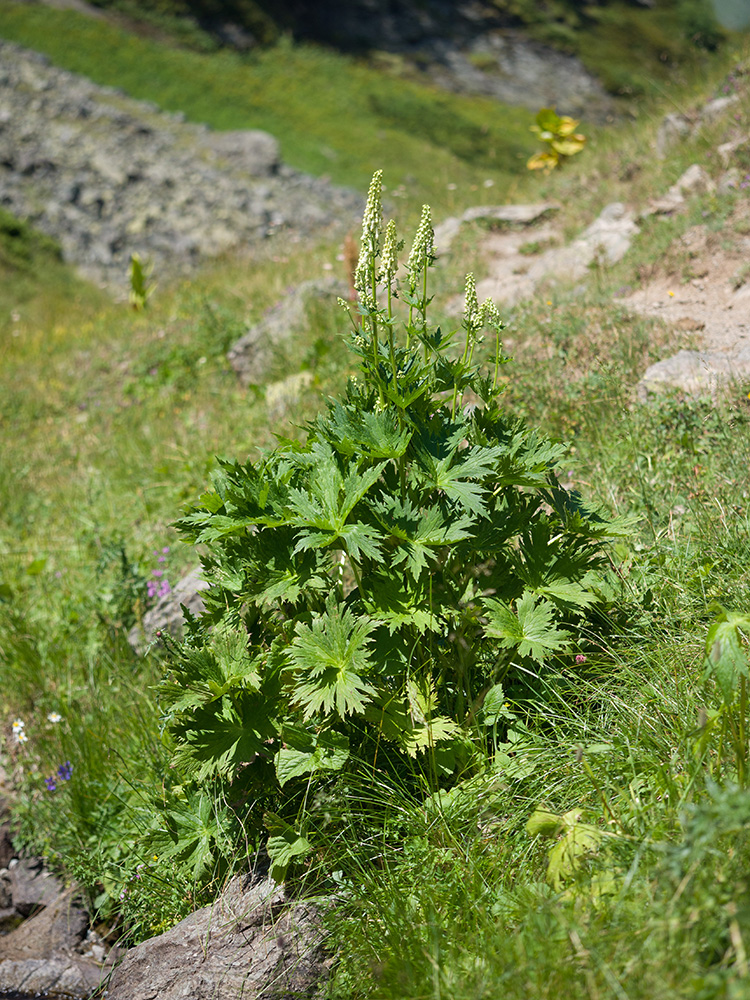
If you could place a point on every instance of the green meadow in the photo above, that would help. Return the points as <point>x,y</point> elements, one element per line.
<point>587,832</point>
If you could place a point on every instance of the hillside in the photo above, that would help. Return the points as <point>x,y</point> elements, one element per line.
<point>473,661</point>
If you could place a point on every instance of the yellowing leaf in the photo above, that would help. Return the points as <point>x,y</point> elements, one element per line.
<point>543,161</point>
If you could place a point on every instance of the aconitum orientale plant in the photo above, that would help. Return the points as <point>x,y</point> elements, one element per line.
<point>379,591</point>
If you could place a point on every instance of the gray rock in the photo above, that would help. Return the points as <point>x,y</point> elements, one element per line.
<point>166,615</point>
<point>513,215</point>
<point>6,892</point>
<point>109,176</point>
<point>251,356</point>
<point>672,130</point>
<point>41,954</point>
<point>252,943</point>
<point>606,241</point>
<point>63,976</point>
<point>59,927</point>
<point>255,151</point>
<point>695,180</point>
<point>716,108</point>
<point>729,181</point>
<point>695,373</point>
<point>32,886</point>
<point>727,151</point>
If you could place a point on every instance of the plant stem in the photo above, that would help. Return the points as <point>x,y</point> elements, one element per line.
<point>742,747</point>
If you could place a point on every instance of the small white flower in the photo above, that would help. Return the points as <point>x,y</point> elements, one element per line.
<point>18,726</point>
<point>21,737</point>
<point>54,717</point>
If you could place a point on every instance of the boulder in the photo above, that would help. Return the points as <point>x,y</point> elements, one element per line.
<point>59,927</point>
<point>108,176</point>
<point>167,614</point>
<point>696,373</point>
<point>251,356</point>
<point>729,181</point>
<point>252,943</point>
<point>43,953</point>
<point>31,886</point>
<point>62,976</point>
<point>728,151</point>
<point>716,108</point>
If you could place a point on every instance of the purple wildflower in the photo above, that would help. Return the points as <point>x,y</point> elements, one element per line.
<point>580,658</point>
<point>51,784</point>
<point>164,589</point>
<point>65,771</point>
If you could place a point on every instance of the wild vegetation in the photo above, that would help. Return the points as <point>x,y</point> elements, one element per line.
<point>517,751</point>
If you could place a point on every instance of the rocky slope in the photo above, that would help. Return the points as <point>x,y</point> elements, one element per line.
<point>108,176</point>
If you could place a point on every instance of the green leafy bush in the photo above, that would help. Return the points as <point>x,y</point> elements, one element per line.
<point>378,590</point>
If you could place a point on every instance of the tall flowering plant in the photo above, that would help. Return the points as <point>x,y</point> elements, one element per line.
<point>378,591</point>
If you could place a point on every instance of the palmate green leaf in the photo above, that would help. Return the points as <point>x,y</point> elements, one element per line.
<point>201,676</point>
<point>284,845</point>
<point>278,574</point>
<point>459,474</point>
<point>207,527</point>
<point>568,594</point>
<point>326,752</point>
<point>219,738</point>
<point>577,840</point>
<point>530,630</point>
<point>373,434</point>
<point>329,658</point>
<point>323,509</point>
<point>727,656</point>
<point>195,826</point>
<point>401,602</point>
<point>411,721</point>
<point>494,707</point>
<point>418,532</point>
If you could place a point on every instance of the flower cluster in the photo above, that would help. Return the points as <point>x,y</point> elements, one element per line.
<point>372,227</point>
<point>19,731</point>
<point>64,773</point>
<point>159,585</point>
<point>422,253</point>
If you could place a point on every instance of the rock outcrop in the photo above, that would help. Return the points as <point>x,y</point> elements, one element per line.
<point>696,373</point>
<point>47,945</point>
<point>252,354</point>
<point>251,943</point>
<point>166,615</point>
<point>108,176</point>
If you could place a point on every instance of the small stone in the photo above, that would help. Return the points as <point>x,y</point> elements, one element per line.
<point>729,181</point>
<point>673,129</point>
<point>716,108</point>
